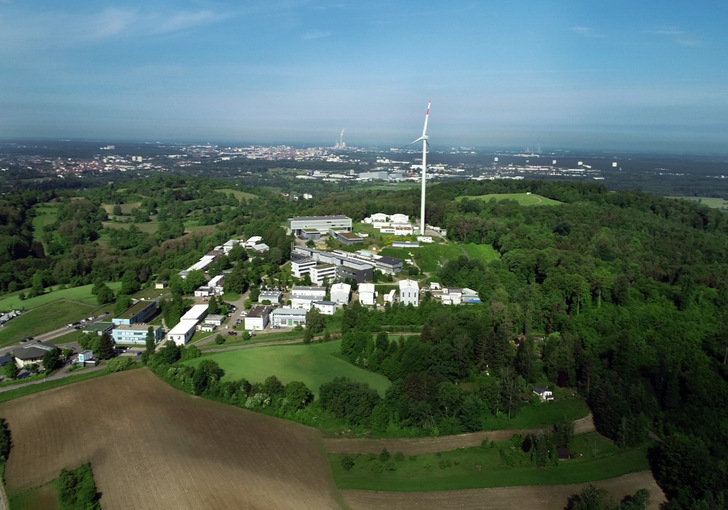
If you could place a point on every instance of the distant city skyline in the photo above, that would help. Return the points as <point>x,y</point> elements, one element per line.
<point>620,76</point>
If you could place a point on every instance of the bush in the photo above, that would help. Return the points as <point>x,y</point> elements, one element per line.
<point>347,462</point>
<point>119,364</point>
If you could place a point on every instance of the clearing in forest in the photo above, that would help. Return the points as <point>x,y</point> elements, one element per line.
<point>151,446</point>
<point>313,364</point>
<point>521,198</point>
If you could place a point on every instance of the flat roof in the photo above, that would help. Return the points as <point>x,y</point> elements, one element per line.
<point>135,309</point>
<point>389,260</point>
<point>289,311</point>
<point>258,311</point>
<point>336,217</point>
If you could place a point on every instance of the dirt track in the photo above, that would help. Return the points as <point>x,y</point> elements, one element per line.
<point>151,446</point>
<point>542,497</point>
<point>417,446</point>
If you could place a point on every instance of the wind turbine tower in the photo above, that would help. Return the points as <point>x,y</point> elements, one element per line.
<point>424,138</point>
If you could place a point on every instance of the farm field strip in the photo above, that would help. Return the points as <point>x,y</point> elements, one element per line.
<point>151,446</point>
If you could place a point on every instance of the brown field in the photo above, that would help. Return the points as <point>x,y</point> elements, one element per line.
<point>420,445</point>
<point>542,497</point>
<point>151,446</point>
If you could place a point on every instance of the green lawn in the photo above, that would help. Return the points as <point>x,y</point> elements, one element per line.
<point>509,467</point>
<point>239,195</point>
<point>521,198</point>
<point>81,294</point>
<point>313,364</point>
<point>44,319</point>
<point>82,375</point>
<point>483,252</point>
<point>542,414</point>
<point>45,214</point>
<point>430,257</point>
<point>715,203</point>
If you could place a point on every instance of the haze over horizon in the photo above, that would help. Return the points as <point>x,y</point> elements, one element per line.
<point>619,76</point>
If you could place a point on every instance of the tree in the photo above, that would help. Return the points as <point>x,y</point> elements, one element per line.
<point>104,294</point>
<point>51,360</point>
<point>106,347</point>
<point>11,370</point>
<point>298,395</point>
<point>315,321</point>
<point>213,307</point>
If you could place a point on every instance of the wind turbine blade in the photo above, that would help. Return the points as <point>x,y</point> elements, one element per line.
<point>427,116</point>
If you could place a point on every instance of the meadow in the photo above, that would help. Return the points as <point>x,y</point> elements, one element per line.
<point>521,198</point>
<point>430,257</point>
<point>312,364</point>
<point>501,465</point>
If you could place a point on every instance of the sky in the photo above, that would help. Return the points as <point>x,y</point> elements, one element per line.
<point>617,75</point>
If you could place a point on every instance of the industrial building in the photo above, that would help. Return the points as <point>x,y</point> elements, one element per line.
<point>141,311</point>
<point>136,334</point>
<point>320,223</point>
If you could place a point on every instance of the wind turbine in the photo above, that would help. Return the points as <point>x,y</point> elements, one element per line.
<point>424,167</point>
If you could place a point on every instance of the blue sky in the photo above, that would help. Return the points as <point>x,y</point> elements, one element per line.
<point>617,75</point>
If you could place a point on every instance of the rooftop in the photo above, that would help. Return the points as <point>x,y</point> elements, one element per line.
<point>135,309</point>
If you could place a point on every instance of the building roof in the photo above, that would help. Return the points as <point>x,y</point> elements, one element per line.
<point>34,351</point>
<point>289,311</point>
<point>182,328</point>
<point>366,287</point>
<point>390,261</point>
<point>135,309</point>
<point>309,218</point>
<point>258,311</point>
<point>137,327</point>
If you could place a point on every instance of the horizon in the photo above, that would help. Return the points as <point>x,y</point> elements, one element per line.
<point>622,77</point>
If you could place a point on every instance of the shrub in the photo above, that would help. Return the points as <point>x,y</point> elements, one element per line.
<point>347,462</point>
<point>119,364</point>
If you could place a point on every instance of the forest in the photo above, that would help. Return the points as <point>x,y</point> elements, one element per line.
<point>621,296</point>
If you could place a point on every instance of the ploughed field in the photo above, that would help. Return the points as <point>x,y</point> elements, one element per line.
<point>151,446</point>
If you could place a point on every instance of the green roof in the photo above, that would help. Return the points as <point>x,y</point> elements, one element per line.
<point>135,309</point>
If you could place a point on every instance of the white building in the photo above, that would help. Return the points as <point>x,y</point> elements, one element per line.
<point>196,313</point>
<point>321,223</point>
<point>409,292</point>
<point>389,296</point>
<point>301,265</point>
<point>303,302</point>
<point>367,294</point>
<point>257,318</point>
<point>340,293</point>
<point>321,273</point>
<point>287,317</point>
<point>273,296</point>
<point>325,307</point>
<point>300,290</point>
<point>182,332</point>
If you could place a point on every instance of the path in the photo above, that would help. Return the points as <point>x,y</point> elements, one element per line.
<point>419,445</point>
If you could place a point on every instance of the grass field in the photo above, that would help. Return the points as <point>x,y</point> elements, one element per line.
<point>521,198</point>
<point>238,194</point>
<point>43,319</point>
<point>152,447</point>
<point>457,469</point>
<point>44,497</point>
<point>565,405</point>
<point>45,214</point>
<point>81,294</point>
<point>149,227</point>
<point>715,203</point>
<point>313,364</point>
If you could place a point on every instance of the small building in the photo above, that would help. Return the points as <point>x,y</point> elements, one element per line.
<point>301,290</point>
<point>389,265</point>
<point>86,358</point>
<point>253,241</point>
<point>409,292</point>
<point>564,453</point>
<point>355,270</point>
<point>325,307</point>
<point>348,238</point>
<point>303,302</point>
<point>135,334</point>
<point>206,328</point>
<point>288,317</point>
<point>405,244</point>
<point>273,296</point>
<point>160,284</point>
<point>389,296</point>
<point>214,320</point>
<point>182,332</point>
<point>257,318</point>
<point>310,234</point>
<point>4,360</point>
<point>544,394</point>
<point>261,248</point>
<point>340,293</point>
<point>367,294</point>
<point>203,291</point>
<point>141,311</point>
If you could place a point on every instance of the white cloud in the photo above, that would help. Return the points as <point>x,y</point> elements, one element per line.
<point>586,32</point>
<point>316,34</point>
<point>677,36</point>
